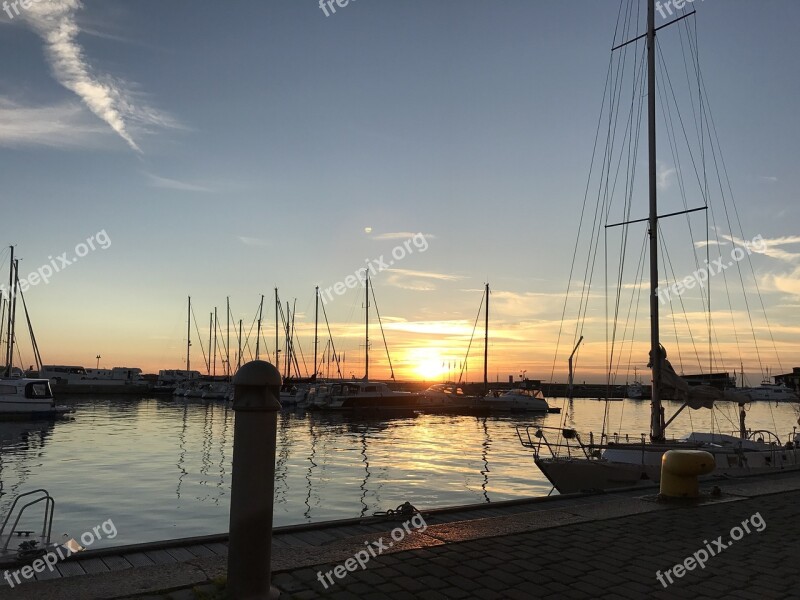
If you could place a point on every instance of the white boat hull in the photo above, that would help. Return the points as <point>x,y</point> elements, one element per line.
<point>631,467</point>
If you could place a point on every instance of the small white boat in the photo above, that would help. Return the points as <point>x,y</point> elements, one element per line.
<point>635,391</point>
<point>294,395</point>
<point>27,398</point>
<point>516,400</point>
<point>364,395</point>
<point>773,392</point>
<point>219,390</point>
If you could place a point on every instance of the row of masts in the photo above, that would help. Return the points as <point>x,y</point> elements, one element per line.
<point>285,326</point>
<point>285,353</point>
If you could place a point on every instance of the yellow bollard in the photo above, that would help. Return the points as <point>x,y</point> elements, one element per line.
<point>680,469</point>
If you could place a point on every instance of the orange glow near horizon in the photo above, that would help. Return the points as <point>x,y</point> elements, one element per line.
<point>427,363</point>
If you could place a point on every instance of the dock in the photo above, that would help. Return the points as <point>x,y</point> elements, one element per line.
<point>611,545</point>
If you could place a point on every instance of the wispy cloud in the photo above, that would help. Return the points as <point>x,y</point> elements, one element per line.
<point>664,176</point>
<point>251,241</point>
<point>421,281</point>
<point>704,243</point>
<point>768,179</point>
<point>400,235</point>
<point>788,283</point>
<point>64,125</point>
<point>770,246</point>
<point>174,184</point>
<point>427,274</point>
<point>108,99</point>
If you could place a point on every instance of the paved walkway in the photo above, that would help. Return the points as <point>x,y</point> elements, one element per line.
<point>607,546</point>
<point>612,558</point>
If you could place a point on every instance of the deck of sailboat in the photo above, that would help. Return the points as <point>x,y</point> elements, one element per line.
<point>500,548</point>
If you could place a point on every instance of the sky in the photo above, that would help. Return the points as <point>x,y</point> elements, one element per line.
<point>223,150</point>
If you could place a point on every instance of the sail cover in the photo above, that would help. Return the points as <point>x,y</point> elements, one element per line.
<point>694,396</point>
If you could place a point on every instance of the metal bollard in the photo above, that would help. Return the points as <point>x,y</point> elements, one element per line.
<point>256,396</point>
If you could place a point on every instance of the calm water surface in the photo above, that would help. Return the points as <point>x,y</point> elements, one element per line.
<point>160,468</point>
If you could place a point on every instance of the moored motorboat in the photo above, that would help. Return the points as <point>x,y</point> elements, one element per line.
<point>515,400</point>
<point>364,395</point>
<point>772,392</point>
<point>26,398</point>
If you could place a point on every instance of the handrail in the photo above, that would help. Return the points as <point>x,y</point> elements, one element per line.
<point>47,525</point>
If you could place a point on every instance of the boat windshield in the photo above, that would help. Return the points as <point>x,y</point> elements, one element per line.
<point>38,389</point>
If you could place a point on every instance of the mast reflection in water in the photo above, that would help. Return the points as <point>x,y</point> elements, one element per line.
<point>161,468</point>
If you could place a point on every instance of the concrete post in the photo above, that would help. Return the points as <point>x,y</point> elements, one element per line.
<point>256,403</point>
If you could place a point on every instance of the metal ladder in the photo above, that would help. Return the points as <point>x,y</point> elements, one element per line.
<point>32,548</point>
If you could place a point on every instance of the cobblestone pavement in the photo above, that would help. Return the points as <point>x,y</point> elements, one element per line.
<point>613,558</point>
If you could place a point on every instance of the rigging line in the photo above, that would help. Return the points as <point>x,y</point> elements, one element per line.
<point>677,340</point>
<point>36,355</point>
<point>710,118</point>
<point>673,144</point>
<point>727,289</point>
<point>632,145</point>
<point>474,327</point>
<point>698,125</point>
<point>705,192</point>
<point>380,322</point>
<point>583,213</point>
<point>249,333</point>
<point>330,339</point>
<point>639,279</point>
<point>635,295</point>
<point>741,230</point>
<point>600,205</point>
<point>200,339</point>
<point>665,254</point>
<point>705,294</point>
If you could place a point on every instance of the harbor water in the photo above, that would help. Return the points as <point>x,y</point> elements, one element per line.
<point>160,468</point>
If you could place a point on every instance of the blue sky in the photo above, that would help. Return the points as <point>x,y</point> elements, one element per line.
<point>230,148</point>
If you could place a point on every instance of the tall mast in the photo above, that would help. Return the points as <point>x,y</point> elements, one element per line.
<point>258,332</point>
<point>239,358</point>
<point>656,420</point>
<point>10,328</point>
<point>277,347</point>
<point>215,342</point>
<point>188,333</point>
<point>486,346</point>
<point>210,332</point>
<point>228,334</point>
<point>366,327</point>
<point>316,329</point>
<point>288,356</point>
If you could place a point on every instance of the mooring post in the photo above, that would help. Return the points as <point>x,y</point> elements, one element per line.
<point>256,403</point>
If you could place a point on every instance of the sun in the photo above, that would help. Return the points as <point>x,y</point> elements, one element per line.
<point>427,363</point>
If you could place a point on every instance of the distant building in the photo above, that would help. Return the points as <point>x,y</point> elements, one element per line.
<point>790,380</point>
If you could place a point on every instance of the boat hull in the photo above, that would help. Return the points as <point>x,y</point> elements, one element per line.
<point>632,467</point>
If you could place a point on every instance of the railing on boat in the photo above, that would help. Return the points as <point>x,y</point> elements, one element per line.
<point>569,444</point>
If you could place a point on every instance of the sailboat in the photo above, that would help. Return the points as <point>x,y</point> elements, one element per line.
<point>23,397</point>
<point>365,394</point>
<point>573,464</point>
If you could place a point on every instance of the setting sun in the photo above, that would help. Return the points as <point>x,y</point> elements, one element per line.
<point>427,363</point>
